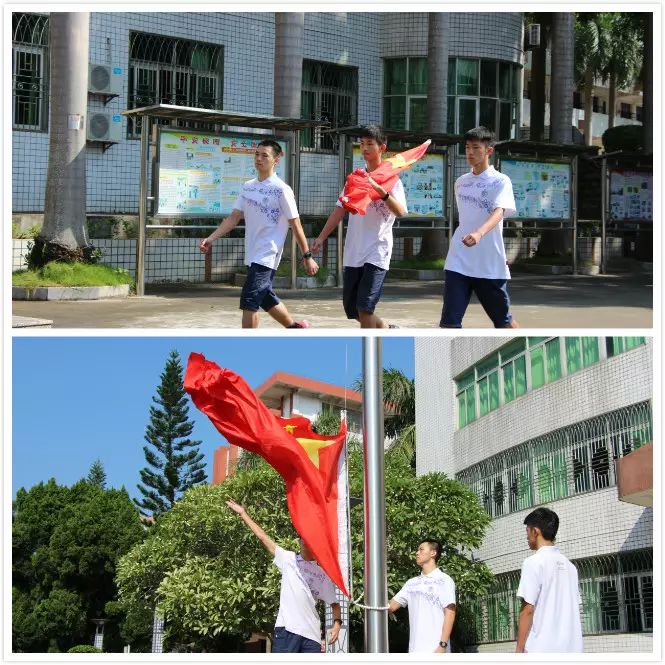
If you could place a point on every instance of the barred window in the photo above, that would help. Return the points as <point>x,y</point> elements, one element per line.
<point>329,93</point>
<point>30,33</point>
<point>572,460</point>
<point>166,70</point>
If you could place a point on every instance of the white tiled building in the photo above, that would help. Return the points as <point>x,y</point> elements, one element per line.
<point>547,421</point>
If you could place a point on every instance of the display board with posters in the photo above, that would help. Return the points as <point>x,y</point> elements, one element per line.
<point>542,189</point>
<point>631,195</point>
<point>424,183</point>
<point>201,174</point>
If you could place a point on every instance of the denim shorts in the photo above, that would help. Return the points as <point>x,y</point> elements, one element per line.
<point>492,294</point>
<point>257,291</point>
<point>284,641</point>
<point>362,289</point>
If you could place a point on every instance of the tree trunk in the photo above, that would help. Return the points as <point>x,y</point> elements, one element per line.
<point>434,240</point>
<point>612,102</point>
<point>64,233</point>
<point>538,78</point>
<point>647,87</point>
<point>563,79</point>
<point>588,107</point>
<point>289,41</point>
<point>558,242</point>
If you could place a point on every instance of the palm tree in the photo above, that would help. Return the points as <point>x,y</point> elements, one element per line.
<point>592,48</point>
<point>647,81</point>
<point>626,55</point>
<point>289,46</point>
<point>538,75</point>
<point>562,81</point>
<point>64,233</point>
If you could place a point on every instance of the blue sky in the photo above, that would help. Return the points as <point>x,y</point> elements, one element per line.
<point>76,399</point>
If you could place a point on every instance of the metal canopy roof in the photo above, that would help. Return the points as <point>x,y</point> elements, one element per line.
<point>255,120</point>
<point>544,148</point>
<point>403,135</point>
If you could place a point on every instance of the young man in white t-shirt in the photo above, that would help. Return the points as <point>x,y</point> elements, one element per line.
<point>476,260</point>
<point>549,620</point>
<point>269,208</point>
<point>298,626</point>
<point>430,598</point>
<point>369,237</point>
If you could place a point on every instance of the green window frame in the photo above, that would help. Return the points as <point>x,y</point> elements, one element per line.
<point>405,93</point>
<point>617,345</point>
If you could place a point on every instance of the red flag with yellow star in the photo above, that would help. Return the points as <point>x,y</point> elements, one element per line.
<point>307,461</point>
<point>358,193</point>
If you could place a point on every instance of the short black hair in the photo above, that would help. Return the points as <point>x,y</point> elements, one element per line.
<point>276,148</point>
<point>546,520</point>
<point>373,132</point>
<point>436,546</point>
<point>480,134</point>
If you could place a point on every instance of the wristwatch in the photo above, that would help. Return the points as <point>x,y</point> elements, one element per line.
<point>339,621</point>
<point>307,255</point>
<point>443,645</point>
<point>386,197</point>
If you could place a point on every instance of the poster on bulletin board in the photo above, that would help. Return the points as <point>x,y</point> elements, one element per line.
<point>631,195</point>
<point>201,174</point>
<point>424,183</point>
<point>542,189</point>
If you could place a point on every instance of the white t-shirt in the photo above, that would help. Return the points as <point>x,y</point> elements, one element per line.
<point>426,596</point>
<point>303,583</point>
<point>369,237</point>
<point>549,583</point>
<point>477,197</point>
<point>267,205</point>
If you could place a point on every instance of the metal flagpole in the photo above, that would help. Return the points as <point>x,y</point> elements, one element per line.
<point>376,585</point>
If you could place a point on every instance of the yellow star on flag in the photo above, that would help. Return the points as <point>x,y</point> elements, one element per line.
<point>312,447</point>
<point>290,428</point>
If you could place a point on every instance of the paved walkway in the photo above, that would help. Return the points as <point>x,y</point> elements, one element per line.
<point>614,301</point>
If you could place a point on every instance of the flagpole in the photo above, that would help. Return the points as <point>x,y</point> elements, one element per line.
<point>376,589</point>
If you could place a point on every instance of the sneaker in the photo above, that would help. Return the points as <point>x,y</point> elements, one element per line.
<point>393,325</point>
<point>300,324</point>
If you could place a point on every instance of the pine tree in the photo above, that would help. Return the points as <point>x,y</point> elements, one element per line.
<point>97,475</point>
<point>174,461</point>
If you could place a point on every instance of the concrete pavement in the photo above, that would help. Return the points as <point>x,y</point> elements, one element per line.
<point>614,301</point>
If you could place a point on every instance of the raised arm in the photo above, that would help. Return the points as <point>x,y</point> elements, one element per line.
<point>266,541</point>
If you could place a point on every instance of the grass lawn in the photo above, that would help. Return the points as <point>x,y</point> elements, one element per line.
<point>419,264</point>
<point>59,273</point>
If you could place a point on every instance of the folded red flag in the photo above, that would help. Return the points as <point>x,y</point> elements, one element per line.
<point>307,461</point>
<point>358,193</point>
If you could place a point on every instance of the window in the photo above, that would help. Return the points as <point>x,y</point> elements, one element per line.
<point>581,352</point>
<point>166,70</point>
<point>577,100</point>
<point>466,399</point>
<point>573,460</point>
<point>329,93</point>
<point>639,114</point>
<point>405,93</point>
<point>30,71</point>
<point>625,110</point>
<point>483,92</point>
<point>617,345</point>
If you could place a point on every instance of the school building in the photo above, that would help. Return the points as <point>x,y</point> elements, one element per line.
<point>562,422</point>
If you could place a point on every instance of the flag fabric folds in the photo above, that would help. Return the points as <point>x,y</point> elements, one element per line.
<point>358,193</point>
<point>307,461</point>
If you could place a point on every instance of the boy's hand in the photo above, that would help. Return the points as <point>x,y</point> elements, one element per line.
<point>315,247</point>
<point>205,245</point>
<point>472,239</point>
<point>235,507</point>
<point>375,185</point>
<point>311,266</point>
<point>333,633</point>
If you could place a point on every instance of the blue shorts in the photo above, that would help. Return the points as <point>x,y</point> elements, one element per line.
<point>257,290</point>
<point>285,641</point>
<point>362,289</point>
<point>492,294</point>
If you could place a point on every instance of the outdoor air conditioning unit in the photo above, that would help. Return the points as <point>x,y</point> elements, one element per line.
<point>104,127</point>
<point>533,35</point>
<point>104,79</point>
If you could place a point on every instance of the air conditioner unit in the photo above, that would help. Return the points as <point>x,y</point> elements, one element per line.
<point>104,79</point>
<point>533,35</point>
<point>104,127</point>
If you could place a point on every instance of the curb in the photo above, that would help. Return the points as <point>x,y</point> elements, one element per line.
<point>69,292</point>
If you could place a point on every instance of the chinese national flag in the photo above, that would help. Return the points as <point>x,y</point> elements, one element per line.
<point>358,193</point>
<point>307,461</point>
